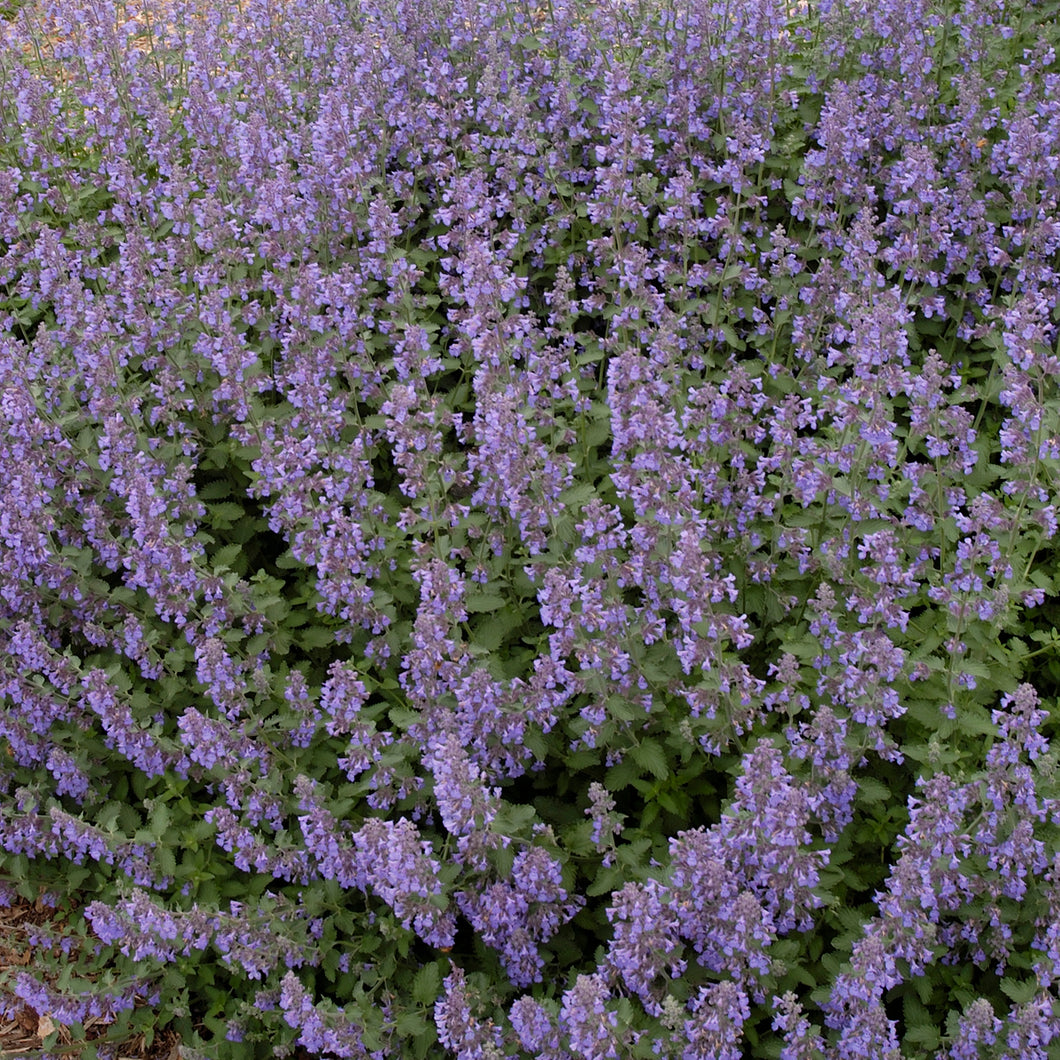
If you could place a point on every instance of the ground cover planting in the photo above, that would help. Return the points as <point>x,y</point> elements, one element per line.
<point>530,531</point>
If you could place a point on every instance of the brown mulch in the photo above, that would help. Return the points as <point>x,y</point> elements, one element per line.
<point>23,1036</point>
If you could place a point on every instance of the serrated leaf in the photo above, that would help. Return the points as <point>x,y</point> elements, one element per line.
<point>225,557</point>
<point>975,720</point>
<point>1020,991</point>
<point>403,717</point>
<point>925,1036</point>
<point>620,709</point>
<point>650,755</point>
<point>923,988</point>
<point>632,853</point>
<point>871,790</point>
<point>160,818</point>
<point>608,879</point>
<point>411,1024</point>
<point>953,1023</point>
<point>1039,636</point>
<point>201,830</point>
<point>851,920</point>
<point>258,643</point>
<point>426,984</point>
<point>914,1012</point>
<point>503,861</point>
<point>165,860</point>
<point>853,879</point>
<point>513,820</point>
<point>484,602</point>
<point>597,433</point>
<point>492,630</point>
<point>796,973</point>
<point>622,774</point>
<point>76,875</point>
<point>659,664</point>
<point>1041,580</point>
<point>577,496</point>
<point>107,817</point>
<point>225,513</point>
<point>316,637</point>
<point>536,743</point>
<point>215,490</point>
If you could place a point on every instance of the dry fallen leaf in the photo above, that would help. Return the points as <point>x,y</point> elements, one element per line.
<point>27,1019</point>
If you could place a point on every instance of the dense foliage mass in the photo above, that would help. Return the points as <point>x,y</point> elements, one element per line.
<point>531,532</point>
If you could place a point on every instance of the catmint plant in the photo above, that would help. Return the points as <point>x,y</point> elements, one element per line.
<point>529,530</point>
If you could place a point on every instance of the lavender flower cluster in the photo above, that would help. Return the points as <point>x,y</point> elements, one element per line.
<point>530,531</point>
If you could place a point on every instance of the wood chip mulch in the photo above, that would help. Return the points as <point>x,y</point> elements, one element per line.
<point>22,1038</point>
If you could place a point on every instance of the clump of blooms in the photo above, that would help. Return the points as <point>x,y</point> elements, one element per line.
<point>530,530</point>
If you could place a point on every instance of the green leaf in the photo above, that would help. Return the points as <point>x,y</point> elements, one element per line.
<point>425,986</point>
<point>975,720</point>
<point>632,853</point>
<point>675,802</point>
<point>919,1022</point>
<point>924,1036</point>
<point>650,755</point>
<point>161,816</point>
<point>225,514</point>
<point>215,490</point>
<point>513,820</point>
<point>871,790</point>
<point>76,875</point>
<point>165,861</point>
<point>659,664</point>
<point>403,717</point>
<point>622,774</point>
<point>1020,991</point>
<point>492,630</point>
<point>608,879</point>
<point>258,643</point>
<point>577,496</point>
<point>481,602</point>
<point>225,557</point>
<point>1042,580</point>
<point>411,1024</point>
<point>107,817</point>
<point>316,637</point>
<point>852,921</point>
